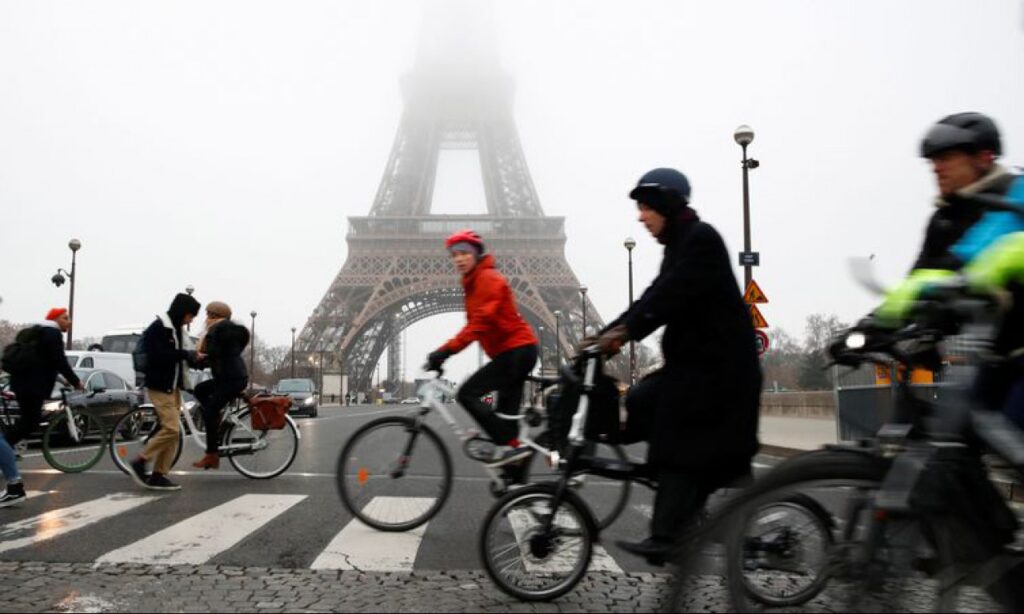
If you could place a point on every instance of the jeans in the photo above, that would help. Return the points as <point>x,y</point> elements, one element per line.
<point>213,395</point>
<point>8,461</point>
<point>506,374</point>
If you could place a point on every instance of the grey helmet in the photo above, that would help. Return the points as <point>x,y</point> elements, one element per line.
<point>964,131</point>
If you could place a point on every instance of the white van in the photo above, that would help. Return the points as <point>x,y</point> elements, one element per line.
<point>118,362</point>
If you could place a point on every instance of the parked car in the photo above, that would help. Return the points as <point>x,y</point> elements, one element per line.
<point>410,401</point>
<point>106,395</point>
<point>303,394</point>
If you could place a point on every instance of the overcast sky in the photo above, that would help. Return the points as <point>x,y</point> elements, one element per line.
<point>223,144</point>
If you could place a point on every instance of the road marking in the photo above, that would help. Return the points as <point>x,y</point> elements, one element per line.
<point>199,538</point>
<point>522,524</point>
<point>362,548</point>
<point>64,520</point>
<point>644,509</point>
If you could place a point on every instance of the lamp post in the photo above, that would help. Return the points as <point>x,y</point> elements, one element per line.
<point>540,329</point>
<point>558,340</point>
<point>252,349</point>
<point>629,243</point>
<point>58,280</point>
<point>293,352</point>
<point>189,289</point>
<point>744,136</point>
<point>583,300</point>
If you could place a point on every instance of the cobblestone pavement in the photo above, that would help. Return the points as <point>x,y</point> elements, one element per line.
<point>84,587</point>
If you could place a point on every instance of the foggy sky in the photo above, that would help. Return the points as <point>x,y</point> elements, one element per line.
<point>223,144</point>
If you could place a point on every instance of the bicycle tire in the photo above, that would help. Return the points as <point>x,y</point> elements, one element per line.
<point>66,460</point>
<point>857,469</point>
<point>133,431</point>
<point>289,434</point>
<point>357,481</point>
<point>532,548</point>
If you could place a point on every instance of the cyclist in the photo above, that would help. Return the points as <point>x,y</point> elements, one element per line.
<point>32,385</point>
<point>495,323</point>
<point>167,349</point>
<point>962,149</point>
<point>700,410</point>
<point>221,349</point>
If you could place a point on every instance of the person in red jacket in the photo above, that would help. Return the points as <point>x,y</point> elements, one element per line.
<point>494,322</point>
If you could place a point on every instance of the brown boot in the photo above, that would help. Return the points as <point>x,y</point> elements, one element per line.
<point>208,461</point>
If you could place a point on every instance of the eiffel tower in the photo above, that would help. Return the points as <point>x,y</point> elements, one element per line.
<point>396,272</point>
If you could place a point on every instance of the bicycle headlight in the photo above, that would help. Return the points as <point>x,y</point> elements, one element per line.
<point>51,406</point>
<point>856,341</point>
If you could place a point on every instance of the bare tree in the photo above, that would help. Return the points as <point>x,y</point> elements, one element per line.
<point>820,329</point>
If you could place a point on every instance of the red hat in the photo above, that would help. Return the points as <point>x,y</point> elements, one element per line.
<point>55,313</point>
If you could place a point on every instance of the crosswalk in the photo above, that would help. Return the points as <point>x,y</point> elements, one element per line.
<point>108,529</point>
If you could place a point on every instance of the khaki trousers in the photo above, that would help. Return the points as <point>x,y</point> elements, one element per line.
<point>164,444</point>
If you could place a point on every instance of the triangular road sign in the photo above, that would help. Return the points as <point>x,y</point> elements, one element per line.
<point>757,318</point>
<point>754,294</point>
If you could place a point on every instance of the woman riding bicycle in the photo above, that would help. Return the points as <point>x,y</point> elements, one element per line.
<point>494,322</point>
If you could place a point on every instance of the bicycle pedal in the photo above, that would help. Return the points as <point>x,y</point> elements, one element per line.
<point>479,449</point>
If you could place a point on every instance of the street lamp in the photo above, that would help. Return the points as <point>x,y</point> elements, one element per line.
<point>744,136</point>
<point>190,289</point>
<point>540,329</point>
<point>58,280</point>
<point>293,352</point>
<point>630,243</point>
<point>558,340</point>
<point>252,349</point>
<point>583,300</point>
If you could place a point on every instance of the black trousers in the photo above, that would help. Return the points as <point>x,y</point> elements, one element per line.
<point>505,374</point>
<point>30,407</point>
<point>213,395</point>
<point>681,495</point>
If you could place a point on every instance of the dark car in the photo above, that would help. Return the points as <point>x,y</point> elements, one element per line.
<point>303,394</point>
<point>106,395</point>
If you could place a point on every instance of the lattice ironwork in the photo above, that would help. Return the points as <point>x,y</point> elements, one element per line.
<point>396,274</point>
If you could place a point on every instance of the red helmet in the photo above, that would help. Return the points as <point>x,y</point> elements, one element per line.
<point>465,236</point>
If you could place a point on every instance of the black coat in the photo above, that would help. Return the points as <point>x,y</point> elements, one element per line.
<point>39,383</point>
<point>707,409</point>
<point>165,356</point>
<point>224,345</point>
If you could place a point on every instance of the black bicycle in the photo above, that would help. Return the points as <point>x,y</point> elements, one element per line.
<point>916,524</point>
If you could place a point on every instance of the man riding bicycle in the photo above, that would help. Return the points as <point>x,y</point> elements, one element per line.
<point>494,321</point>
<point>700,410</point>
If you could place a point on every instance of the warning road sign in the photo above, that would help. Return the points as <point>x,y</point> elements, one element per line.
<point>754,294</point>
<point>756,317</point>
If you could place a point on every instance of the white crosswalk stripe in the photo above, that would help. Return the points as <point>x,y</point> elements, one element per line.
<point>60,521</point>
<point>360,547</point>
<point>201,537</point>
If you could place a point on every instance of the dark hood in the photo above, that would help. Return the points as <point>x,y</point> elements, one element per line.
<point>181,305</point>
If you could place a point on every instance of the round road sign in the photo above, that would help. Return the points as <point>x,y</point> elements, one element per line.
<point>761,339</point>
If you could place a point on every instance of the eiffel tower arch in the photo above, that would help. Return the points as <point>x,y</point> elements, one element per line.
<point>397,273</point>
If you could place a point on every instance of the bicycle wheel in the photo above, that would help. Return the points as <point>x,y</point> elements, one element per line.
<point>527,561</point>
<point>74,452</point>
<point>769,546</point>
<point>260,454</point>
<point>132,432</point>
<point>393,475</point>
<point>606,497</point>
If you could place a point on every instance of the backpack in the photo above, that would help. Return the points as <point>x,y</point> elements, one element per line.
<point>25,353</point>
<point>602,413</point>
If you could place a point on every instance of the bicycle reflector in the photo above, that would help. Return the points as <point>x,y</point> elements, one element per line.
<point>363,475</point>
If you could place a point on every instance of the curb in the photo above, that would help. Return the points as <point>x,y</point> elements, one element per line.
<point>1006,485</point>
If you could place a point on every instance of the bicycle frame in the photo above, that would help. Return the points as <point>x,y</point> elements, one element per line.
<point>230,415</point>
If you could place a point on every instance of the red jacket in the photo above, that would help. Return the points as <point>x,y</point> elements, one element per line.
<point>491,314</point>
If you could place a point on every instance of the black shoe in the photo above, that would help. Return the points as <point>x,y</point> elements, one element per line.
<point>15,493</point>
<point>516,473</point>
<point>158,481</point>
<point>137,471</point>
<point>656,551</point>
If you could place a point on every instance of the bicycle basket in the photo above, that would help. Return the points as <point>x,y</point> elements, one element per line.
<point>602,413</point>
<point>269,412</point>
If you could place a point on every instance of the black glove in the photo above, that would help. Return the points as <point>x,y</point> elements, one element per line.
<point>436,359</point>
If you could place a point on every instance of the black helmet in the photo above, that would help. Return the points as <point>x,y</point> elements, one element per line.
<point>966,131</point>
<point>665,189</point>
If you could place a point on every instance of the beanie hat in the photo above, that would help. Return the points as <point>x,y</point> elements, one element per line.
<point>55,313</point>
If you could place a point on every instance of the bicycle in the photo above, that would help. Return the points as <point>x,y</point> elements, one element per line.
<point>402,456</point>
<point>255,453</point>
<point>924,523</point>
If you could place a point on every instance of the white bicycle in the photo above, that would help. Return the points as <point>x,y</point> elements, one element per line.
<point>255,453</point>
<point>395,473</point>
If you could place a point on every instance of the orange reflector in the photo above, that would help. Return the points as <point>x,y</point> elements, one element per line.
<point>363,476</point>
<point>122,451</point>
